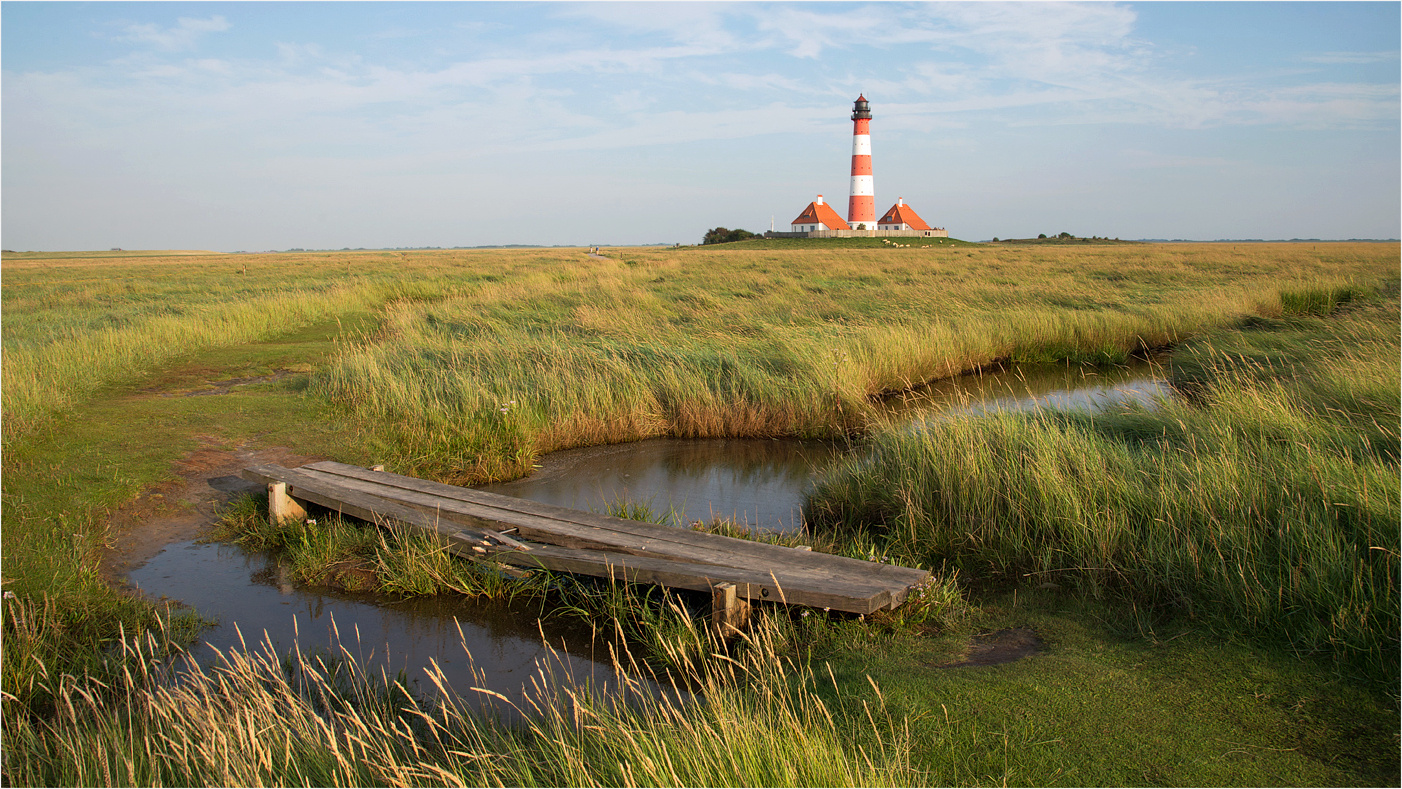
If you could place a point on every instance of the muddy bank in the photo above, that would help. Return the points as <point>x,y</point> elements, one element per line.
<point>185,508</point>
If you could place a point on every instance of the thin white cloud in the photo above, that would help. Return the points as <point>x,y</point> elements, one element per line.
<point>183,36</point>
<point>1333,58</point>
<point>702,25</point>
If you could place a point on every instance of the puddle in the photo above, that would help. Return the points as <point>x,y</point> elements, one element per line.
<point>255,600</point>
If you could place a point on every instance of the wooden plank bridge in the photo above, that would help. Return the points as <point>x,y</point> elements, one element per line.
<point>487,526</point>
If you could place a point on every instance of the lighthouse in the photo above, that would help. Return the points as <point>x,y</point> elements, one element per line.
<point>861,205</point>
<point>820,220</point>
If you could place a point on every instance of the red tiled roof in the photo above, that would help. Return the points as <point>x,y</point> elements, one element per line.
<point>903,215</point>
<point>817,213</point>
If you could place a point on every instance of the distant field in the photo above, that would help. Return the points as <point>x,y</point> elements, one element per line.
<point>769,337</point>
<point>7,255</point>
<point>773,337</point>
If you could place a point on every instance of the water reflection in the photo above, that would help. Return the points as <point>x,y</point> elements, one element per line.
<point>254,598</point>
<point>762,483</point>
<point>759,482</point>
<point>1024,388</point>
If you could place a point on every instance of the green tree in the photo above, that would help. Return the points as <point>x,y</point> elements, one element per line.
<point>724,235</point>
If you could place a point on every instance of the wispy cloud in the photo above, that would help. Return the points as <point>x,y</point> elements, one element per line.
<point>183,36</point>
<point>1332,58</point>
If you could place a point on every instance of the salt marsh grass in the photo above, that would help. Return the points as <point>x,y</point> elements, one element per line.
<point>1267,504</point>
<point>1276,484</point>
<point>769,341</point>
<point>73,325</point>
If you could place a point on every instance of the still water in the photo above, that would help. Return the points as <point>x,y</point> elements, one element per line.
<point>475,644</point>
<point>761,483</point>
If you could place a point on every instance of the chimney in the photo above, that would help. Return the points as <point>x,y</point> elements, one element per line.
<point>900,201</point>
<point>820,200</point>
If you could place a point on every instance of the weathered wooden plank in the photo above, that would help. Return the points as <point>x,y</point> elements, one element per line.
<point>530,527</point>
<point>776,586</point>
<point>794,583</point>
<point>748,584</point>
<point>353,503</point>
<point>798,576</point>
<point>609,531</point>
<point>796,569</point>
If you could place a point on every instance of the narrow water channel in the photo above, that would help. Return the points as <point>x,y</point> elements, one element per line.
<point>474,643</point>
<point>760,483</point>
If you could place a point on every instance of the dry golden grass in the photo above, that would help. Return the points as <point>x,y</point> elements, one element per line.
<point>747,718</point>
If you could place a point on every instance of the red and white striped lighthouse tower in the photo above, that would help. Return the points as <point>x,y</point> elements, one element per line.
<point>861,205</point>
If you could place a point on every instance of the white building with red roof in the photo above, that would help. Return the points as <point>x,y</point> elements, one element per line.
<point>818,216</point>
<point>901,217</point>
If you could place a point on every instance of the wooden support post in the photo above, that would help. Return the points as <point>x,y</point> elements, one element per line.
<point>729,613</point>
<point>280,505</point>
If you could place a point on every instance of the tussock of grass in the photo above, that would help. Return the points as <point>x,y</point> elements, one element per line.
<point>45,639</point>
<point>1267,506</point>
<point>733,715</point>
<point>342,554</point>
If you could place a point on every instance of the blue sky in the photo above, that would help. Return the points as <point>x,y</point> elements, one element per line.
<point>267,125</point>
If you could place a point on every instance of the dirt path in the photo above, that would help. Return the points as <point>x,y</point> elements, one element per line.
<point>186,507</point>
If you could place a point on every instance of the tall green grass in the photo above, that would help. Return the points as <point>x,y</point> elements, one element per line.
<point>768,342</point>
<point>1266,505</point>
<point>72,328</point>
<point>733,716</point>
<point>754,341</point>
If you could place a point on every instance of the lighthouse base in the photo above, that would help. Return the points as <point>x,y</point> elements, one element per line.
<point>938,232</point>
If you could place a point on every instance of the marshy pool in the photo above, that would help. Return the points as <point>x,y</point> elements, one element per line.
<point>761,483</point>
<point>475,643</point>
<point>756,482</point>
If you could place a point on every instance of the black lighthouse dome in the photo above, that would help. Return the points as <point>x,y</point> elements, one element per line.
<point>861,108</point>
